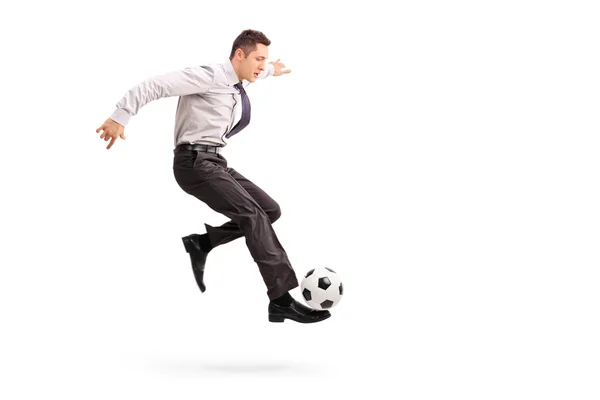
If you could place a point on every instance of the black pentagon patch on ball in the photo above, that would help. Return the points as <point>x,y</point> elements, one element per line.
<point>306,294</point>
<point>309,273</point>
<point>326,304</point>
<point>341,289</point>
<point>329,269</point>
<point>324,283</point>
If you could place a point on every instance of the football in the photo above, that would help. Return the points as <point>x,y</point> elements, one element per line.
<point>322,288</point>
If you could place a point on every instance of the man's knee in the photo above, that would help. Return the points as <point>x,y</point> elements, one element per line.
<point>274,213</point>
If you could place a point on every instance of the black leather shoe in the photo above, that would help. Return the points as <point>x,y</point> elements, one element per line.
<point>296,312</point>
<point>197,257</point>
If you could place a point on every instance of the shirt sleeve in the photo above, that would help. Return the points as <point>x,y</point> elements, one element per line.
<point>268,71</point>
<point>191,80</point>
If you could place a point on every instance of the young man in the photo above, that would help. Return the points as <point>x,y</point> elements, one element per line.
<point>213,106</point>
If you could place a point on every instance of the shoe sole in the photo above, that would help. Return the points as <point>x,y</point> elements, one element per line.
<point>281,318</point>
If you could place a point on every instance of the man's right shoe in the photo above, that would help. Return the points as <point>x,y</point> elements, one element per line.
<point>197,257</point>
<point>296,312</point>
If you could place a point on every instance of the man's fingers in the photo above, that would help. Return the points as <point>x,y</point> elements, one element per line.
<point>109,133</point>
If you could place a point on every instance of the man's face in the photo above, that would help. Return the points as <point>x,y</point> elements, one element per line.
<point>254,63</point>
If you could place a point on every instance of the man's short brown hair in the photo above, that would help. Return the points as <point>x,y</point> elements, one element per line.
<point>247,41</point>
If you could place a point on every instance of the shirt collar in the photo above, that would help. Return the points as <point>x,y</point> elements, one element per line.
<point>232,78</point>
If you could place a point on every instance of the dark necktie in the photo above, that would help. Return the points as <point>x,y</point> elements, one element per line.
<point>245,119</point>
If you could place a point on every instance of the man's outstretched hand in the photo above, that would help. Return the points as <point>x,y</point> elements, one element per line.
<point>279,68</point>
<point>111,130</point>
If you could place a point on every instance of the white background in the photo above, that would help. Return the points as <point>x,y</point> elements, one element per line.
<point>441,156</point>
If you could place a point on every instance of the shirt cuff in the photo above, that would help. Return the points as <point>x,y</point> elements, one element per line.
<point>120,116</point>
<point>270,70</point>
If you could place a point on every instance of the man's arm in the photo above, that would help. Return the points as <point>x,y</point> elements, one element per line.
<point>273,68</point>
<point>177,83</point>
<point>268,71</point>
<point>265,73</point>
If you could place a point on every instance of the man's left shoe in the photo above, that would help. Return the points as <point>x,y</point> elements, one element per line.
<point>296,312</point>
<point>197,257</point>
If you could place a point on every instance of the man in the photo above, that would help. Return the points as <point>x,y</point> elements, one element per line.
<point>213,106</point>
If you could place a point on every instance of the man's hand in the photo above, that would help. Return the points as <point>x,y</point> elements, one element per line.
<point>278,68</point>
<point>111,130</point>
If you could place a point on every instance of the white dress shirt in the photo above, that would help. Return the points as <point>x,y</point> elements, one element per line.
<point>209,105</point>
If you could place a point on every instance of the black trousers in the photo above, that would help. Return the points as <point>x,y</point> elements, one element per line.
<point>251,211</point>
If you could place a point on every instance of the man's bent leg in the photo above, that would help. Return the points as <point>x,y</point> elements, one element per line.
<point>208,181</point>
<point>230,230</point>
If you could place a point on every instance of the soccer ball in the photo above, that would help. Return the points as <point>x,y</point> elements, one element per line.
<point>322,288</point>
